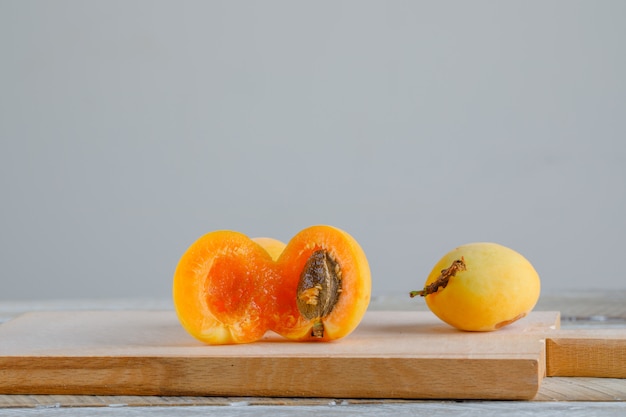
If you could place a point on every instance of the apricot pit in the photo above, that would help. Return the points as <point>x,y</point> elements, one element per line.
<point>318,289</point>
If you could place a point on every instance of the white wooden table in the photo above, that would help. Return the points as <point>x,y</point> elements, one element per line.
<point>576,396</point>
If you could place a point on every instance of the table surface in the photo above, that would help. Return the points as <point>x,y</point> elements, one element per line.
<point>576,396</point>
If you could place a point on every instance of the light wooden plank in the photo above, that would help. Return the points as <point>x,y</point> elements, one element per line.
<point>587,353</point>
<point>552,389</point>
<point>391,355</point>
<point>344,409</point>
<point>582,389</point>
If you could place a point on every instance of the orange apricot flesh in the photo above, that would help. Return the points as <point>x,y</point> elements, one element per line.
<point>217,289</point>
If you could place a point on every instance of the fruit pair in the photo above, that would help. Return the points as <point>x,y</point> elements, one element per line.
<point>229,288</point>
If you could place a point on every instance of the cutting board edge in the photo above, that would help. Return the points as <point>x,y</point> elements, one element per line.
<point>282,377</point>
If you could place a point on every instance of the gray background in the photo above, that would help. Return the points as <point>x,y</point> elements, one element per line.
<point>130,128</point>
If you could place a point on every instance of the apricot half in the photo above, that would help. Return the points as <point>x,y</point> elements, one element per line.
<point>481,287</point>
<point>219,289</point>
<point>325,285</point>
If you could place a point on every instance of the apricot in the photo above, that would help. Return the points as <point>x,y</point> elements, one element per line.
<point>219,289</point>
<point>325,285</point>
<point>481,287</point>
<point>229,288</point>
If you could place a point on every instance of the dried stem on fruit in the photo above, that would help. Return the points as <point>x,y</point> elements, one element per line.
<point>442,280</point>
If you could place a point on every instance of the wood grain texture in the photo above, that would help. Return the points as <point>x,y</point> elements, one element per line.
<point>552,389</point>
<point>390,355</point>
<point>582,389</point>
<point>587,353</point>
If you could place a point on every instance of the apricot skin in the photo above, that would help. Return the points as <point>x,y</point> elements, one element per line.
<point>498,287</point>
<point>272,246</point>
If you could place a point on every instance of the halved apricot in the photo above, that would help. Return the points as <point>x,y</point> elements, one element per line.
<point>324,287</point>
<point>219,288</point>
<point>229,288</point>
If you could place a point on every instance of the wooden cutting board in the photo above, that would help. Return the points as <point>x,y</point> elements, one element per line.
<point>390,355</point>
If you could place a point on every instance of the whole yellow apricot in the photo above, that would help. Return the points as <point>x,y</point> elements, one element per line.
<point>481,287</point>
